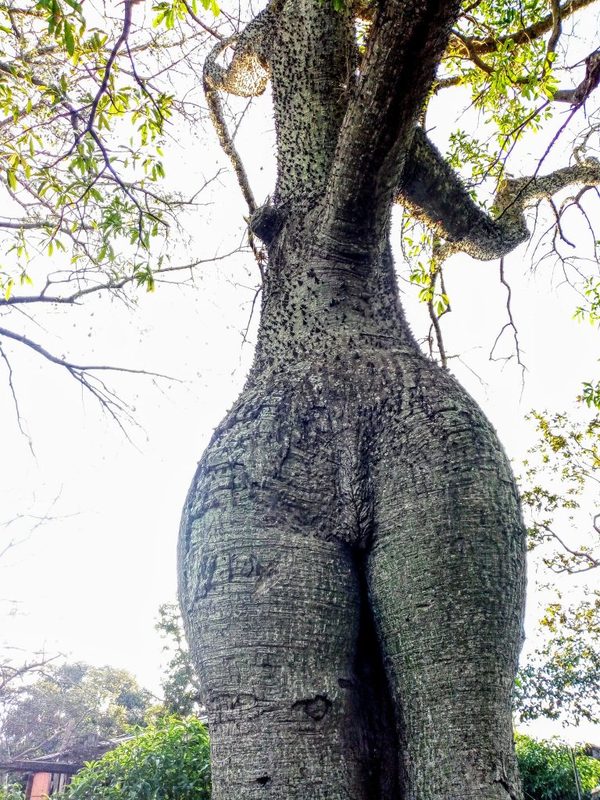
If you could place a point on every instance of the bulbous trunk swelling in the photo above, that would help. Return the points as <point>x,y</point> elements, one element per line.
<point>352,556</point>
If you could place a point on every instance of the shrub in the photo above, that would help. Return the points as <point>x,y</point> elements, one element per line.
<point>168,760</point>
<point>547,770</point>
<point>12,791</point>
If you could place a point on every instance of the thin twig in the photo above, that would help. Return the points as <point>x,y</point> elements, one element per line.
<point>581,555</point>
<point>110,285</point>
<point>16,401</point>
<point>509,325</point>
<point>202,24</point>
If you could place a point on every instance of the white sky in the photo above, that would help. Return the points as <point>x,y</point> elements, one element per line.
<point>88,583</point>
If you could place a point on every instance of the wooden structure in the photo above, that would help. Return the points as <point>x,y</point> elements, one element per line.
<point>44,778</point>
<point>49,775</point>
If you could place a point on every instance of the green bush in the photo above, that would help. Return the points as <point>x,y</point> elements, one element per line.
<point>168,760</point>
<point>12,791</point>
<point>547,770</point>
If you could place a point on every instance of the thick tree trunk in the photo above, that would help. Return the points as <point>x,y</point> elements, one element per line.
<point>352,554</point>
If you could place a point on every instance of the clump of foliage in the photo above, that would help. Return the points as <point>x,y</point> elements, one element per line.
<point>12,791</point>
<point>561,678</point>
<point>70,707</point>
<point>563,466</point>
<point>180,685</point>
<point>551,770</point>
<point>168,759</point>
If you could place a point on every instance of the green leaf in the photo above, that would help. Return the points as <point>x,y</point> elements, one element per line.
<point>69,40</point>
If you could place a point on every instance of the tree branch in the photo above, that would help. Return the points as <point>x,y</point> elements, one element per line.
<point>128,4</point>
<point>379,123</point>
<point>112,285</point>
<point>83,374</point>
<point>510,325</point>
<point>535,31</point>
<point>582,558</point>
<point>582,91</point>
<point>202,24</point>
<point>215,78</point>
<point>248,71</point>
<point>15,399</point>
<point>435,195</point>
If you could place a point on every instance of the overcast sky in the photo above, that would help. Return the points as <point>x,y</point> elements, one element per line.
<point>88,582</point>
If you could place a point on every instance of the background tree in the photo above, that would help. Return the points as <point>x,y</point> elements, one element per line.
<point>552,770</point>
<point>561,678</point>
<point>180,686</point>
<point>71,707</point>
<point>19,670</point>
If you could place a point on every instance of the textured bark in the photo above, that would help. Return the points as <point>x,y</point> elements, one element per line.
<point>351,551</point>
<point>352,559</point>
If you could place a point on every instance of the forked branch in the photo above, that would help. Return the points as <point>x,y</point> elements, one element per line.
<point>434,194</point>
<point>88,376</point>
<point>531,32</point>
<point>378,127</point>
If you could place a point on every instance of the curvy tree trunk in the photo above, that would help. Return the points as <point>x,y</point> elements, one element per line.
<point>351,552</point>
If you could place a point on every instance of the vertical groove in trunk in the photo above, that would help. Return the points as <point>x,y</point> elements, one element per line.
<point>383,776</point>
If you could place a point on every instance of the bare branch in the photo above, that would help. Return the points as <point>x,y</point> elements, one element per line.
<point>586,559</point>
<point>24,225</point>
<point>110,285</point>
<point>11,386</point>
<point>10,674</point>
<point>556,27</point>
<point>70,366</point>
<point>202,24</point>
<point>109,401</point>
<point>216,114</point>
<point>510,325</point>
<point>582,91</point>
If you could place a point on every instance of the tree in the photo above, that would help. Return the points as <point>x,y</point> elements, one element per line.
<point>71,707</point>
<point>85,211</point>
<point>561,678</point>
<point>180,685</point>
<point>352,551</point>
<point>18,671</point>
<point>167,760</point>
<point>555,771</point>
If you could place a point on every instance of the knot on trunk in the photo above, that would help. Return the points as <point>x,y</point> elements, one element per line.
<point>266,222</point>
<point>314,707</point>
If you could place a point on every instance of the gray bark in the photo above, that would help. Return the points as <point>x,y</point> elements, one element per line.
<point>351,551</point>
